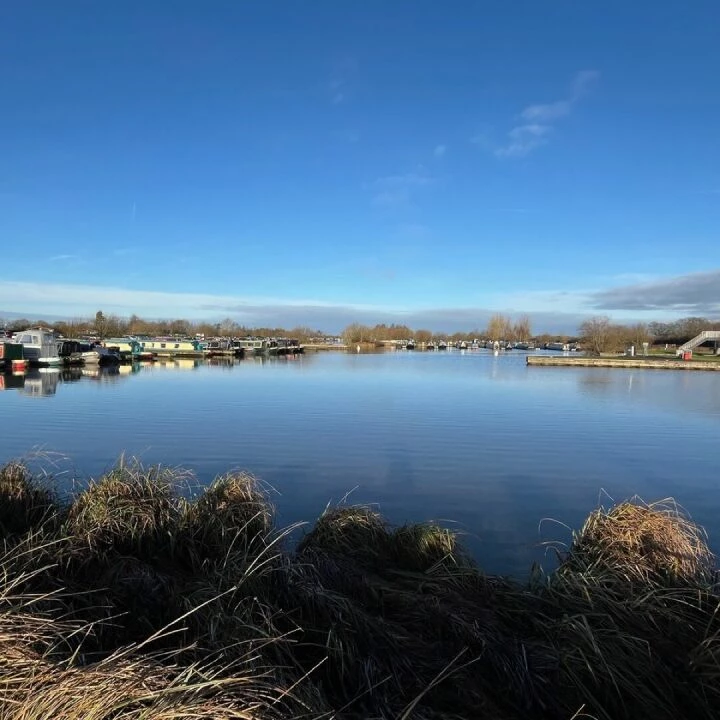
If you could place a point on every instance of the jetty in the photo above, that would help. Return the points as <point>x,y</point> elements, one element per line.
<point>647,363</point>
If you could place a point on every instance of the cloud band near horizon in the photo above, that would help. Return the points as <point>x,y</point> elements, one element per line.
<point>554,312</point>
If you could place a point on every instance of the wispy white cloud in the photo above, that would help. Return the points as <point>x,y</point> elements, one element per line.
<point>40,299</point>
<point>391,198</point>
<point>338,88</point>
<point>412,179</point>
<point>537,121</point>
<point>348,135</point>
<point>413,231</point>
<point>62,258</point>
<point>440,151</point>
<point>397,190</point>
<point>524,139</point>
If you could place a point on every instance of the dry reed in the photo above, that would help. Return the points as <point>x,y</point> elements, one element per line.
<point>135,603</point>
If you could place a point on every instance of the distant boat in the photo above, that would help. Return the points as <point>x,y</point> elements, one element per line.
<point>172,347</point>
<point>563,347</point>
<point>442,345</point>
<point>255,346</point>
<point>77,352</point>
<point>40,346</point>
<point>410,345</point>
<point>430,346</point>
<point>128,348</point>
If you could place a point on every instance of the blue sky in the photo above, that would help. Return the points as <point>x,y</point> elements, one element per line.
<point>324,162</point>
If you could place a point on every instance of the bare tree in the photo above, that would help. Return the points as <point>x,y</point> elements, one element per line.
<point>522,329</point>
<point>356,333</point>
<point>636,335</point>
<point>499,327</point>
<point>599,335</point>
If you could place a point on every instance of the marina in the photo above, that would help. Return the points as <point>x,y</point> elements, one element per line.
<point>42,347</point>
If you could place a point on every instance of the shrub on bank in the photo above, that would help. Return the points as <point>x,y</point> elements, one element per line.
<point>133,602</point>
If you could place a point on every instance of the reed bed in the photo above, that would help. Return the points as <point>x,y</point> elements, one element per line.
<point>133,601</point>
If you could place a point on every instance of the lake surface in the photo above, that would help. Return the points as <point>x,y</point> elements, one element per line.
<point>480,440</point>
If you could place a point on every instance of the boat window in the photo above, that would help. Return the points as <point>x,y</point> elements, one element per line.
<point>177,345</point>
<point>162,345</point>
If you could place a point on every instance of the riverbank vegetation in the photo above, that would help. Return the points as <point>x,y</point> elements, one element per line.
<point>138,599</point>
<point>597,334</point>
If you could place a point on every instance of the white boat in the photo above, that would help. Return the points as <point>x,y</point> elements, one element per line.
<point>40,346</point>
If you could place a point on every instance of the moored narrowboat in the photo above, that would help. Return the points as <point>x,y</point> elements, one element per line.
<point>129,349</point>
<point>172,347</point>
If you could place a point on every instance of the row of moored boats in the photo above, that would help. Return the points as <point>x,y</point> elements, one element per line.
<point>41,347</point>
<point>495,345</point>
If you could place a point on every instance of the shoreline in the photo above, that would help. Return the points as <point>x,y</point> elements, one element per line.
<point>624,362</point>
<point>133,599</point>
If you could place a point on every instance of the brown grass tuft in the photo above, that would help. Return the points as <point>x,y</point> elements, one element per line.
<point>128,509</point>
<point>233,515</point>
<point>642,543</point>
<point>24,502</point>
<point>355,532</point>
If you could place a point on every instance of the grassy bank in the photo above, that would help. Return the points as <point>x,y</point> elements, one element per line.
<point>133,602</point>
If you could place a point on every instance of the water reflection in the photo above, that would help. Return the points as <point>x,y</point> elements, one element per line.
<point>41,382</point>
<point>44,382</point>
<point>481,440</point>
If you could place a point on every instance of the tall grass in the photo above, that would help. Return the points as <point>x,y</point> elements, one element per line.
<point>134,602</point>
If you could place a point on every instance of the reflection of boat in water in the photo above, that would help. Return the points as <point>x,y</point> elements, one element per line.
<point>176,363</point>
<point>41,382</point>
<point>12,381</point>
<point>71,374</point>
<point>102,374</point>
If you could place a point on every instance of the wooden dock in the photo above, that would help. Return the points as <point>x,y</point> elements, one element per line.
<point>645,363</point>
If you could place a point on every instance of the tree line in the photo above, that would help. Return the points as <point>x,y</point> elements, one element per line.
<point>597,334</point>
<point>601,335</point>
<point>500,327</point>
<point>107,326</point>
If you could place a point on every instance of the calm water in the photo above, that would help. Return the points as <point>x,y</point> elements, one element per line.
<point>482,441</point>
